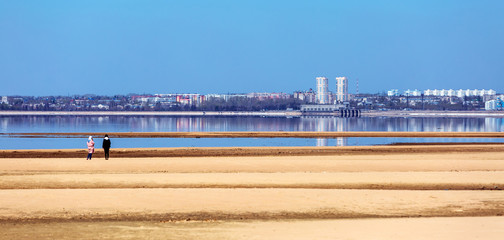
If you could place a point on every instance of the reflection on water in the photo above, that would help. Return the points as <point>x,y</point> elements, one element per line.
<point>195,124</point>
<point>13,124</point>
<point>325,124</point>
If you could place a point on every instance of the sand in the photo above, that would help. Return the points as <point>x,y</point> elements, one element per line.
<point>447,191</point>
<point>459,228</point>
<point>263,151</point>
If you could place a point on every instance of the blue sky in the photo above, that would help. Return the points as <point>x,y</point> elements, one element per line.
<point>120,47</point>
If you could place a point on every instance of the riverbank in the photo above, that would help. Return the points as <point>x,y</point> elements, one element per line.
<point>262,151</point>
<point>430,113</point>
<point>258,189</point>
<point>293,113</point>
<point>157,113</point>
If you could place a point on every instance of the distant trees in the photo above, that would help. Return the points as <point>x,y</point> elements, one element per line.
<point>248,104</point>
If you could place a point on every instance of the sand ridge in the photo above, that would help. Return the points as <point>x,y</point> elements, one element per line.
<point>360,182</point>
<point>474,180</point>
<point>260,151</point>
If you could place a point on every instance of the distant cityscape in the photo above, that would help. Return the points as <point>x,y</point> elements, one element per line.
<point>321,99</point>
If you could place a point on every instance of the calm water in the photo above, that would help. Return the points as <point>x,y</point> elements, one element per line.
<point>17,124</point>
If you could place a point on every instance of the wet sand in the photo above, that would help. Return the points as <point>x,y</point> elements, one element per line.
<point>445,191</point>
<point>262,151</point>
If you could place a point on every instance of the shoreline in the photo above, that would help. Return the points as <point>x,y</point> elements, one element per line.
<point>293,113</point>
<point>258,151</point>
<point>154,113</point>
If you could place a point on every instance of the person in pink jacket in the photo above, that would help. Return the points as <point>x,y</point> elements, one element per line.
<point>90,146</point>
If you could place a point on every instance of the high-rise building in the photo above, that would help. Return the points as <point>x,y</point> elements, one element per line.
<point>393,92</point>
<point>322,90</point>
<point>341,89</point>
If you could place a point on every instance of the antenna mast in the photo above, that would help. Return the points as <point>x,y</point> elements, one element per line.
<point>357,92</point>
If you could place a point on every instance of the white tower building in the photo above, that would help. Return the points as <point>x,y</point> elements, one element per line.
<point>322,90</point>
<point>341,89</point>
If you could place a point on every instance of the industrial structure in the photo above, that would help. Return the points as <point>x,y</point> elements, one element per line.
<point>320,108</point>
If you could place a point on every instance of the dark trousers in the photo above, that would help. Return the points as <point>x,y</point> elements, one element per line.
<point>89,156</point>
<point>106,150</point>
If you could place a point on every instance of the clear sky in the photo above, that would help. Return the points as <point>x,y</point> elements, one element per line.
<point>112,47</point>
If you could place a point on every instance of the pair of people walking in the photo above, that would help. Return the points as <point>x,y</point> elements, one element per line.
<point>105,145</point>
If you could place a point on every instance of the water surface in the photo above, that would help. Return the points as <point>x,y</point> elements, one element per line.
<point>19,124</point>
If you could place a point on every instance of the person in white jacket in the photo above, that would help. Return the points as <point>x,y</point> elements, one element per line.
<point>90,146</point>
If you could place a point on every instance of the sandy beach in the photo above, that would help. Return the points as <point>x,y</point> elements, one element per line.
<point>245,192</point>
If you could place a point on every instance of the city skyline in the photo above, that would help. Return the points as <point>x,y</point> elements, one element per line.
<point>331,94</point>
<point>120,47</point>
<point>320,100</point>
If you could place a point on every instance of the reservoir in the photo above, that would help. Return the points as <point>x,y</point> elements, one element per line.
<point>54,124</point>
